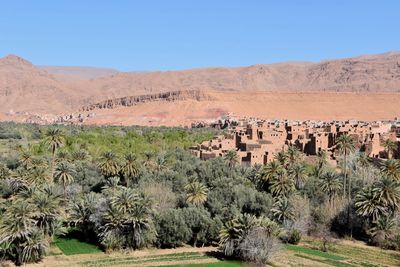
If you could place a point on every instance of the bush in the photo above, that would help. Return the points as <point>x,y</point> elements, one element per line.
<point>8,135</point>
<point>172,230</point>
<point>199,222</point>
<point>258,247</point>
<point>292,237</point>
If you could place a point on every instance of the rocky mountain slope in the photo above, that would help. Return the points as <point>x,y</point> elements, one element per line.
<point>26,88</point>
<point>71,73</point>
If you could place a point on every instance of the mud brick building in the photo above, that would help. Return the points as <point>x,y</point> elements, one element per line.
<point>258,141</point>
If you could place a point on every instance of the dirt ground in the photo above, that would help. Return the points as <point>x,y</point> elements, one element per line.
<point>268,105</point>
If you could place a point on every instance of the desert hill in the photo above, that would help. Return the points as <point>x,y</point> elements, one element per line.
<point>29,89</point>
<point>71,73</point>
<point>26,88</point>
<point>377,73</point>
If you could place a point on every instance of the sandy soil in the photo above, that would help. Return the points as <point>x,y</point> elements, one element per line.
<point>282,105</point>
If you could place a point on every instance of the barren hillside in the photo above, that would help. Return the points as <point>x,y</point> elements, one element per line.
<point>76,73</point>
<point>27,88</point>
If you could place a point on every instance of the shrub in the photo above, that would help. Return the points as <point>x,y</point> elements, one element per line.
<point>292,237</point>
<point>258,247</point>
<point>9,135</point>
<point>172,230</point>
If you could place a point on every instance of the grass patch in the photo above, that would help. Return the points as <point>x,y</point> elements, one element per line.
<point>326,261</point>
<point>158,257</point>
<point>361,254</point>
<point>147,259</point>
<point>315,252</point>
<point>73,246</point>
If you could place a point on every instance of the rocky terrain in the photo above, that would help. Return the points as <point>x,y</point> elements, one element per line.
<point>372,83</point>
<point>140,99</point>
<point>72,73</point>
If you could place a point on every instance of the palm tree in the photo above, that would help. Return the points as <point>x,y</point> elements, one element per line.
<point>383,229</point>
<point>282,210</point>
<point>129,214</point>
<point>112,186</point>
<point>80,211</point>
<point>18,229</point>
<point>47,211</point>
<point>388,191</point>
<point>80,155</point>
<point>282,184</point>
<point>268,172</point>
<point>270,227</point>
<point>390,146</point>
<point>368,204</point>
<point>230,236</point>
<point>233,232</point>
<point>17,222</point>
<point>54,139</point>
<point>137,222</point>
<point>322,161</point>
<point>130,168</point>
<point>231,158</point>
<point>148,162</point>
<point>39,163</point>
<point>160,163</point>
<point>364,162</point>
<point>11,186</point>
<point>345,144</point>
<point>62,156</point>
<point>125,199</point>
<point>34,248</point>
<point>108,164</point>
<point>282,158</point>
<point>37,175</point>
<point>299,173</point>
<point>330,184</point>
<point>293,155</point>
<point>25,159</point>
<point>196,193</point>
<point>391,169</point>
<point>64,175</point>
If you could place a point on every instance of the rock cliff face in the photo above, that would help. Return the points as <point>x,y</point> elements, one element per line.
<point>135,100</point>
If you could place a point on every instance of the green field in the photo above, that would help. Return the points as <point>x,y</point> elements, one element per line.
<point>138,261</point>
<point>342,254</point>
<point>313,252</point>
<point>72,246</point>
<point>308,253</point>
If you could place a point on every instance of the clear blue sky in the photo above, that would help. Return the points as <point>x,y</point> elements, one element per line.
<point>180,34</point>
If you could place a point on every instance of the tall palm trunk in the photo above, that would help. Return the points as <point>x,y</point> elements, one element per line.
<point>348,193</point>
<point>345,174</point>
<point>65,192</point>
<point>364,175</point>
<point>53,159</point>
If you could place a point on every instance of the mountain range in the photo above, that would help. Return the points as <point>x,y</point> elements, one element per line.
<point>27,89</point>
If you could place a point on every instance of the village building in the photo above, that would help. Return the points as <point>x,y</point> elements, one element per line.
<point>258,141</point>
